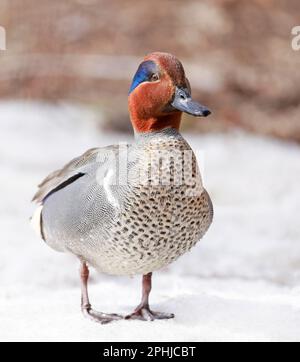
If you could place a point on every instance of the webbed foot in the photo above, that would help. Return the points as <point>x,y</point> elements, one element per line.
<point>144,313</point>
<point>99,317</point>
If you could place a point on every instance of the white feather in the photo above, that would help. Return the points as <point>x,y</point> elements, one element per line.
<point>106,185</point>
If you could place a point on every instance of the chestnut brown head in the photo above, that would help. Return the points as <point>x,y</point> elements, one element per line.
<point>159,93</point>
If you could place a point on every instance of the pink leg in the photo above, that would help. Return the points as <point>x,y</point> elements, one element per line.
<point>86,307</point>
<point>143,311</point>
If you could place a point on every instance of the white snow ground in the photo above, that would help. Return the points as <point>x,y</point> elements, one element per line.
<point>240,283</point>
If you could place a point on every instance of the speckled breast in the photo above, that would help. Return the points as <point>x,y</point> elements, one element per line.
<point>165,213</point>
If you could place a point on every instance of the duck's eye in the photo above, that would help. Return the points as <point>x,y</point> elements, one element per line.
<point>154,77</point>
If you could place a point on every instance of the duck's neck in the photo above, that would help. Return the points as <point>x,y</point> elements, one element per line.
<point>155,124</point>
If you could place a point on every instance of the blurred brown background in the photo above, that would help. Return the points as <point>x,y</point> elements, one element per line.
<point>237,55</point>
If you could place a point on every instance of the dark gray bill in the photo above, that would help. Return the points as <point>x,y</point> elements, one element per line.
<point>184,103</point>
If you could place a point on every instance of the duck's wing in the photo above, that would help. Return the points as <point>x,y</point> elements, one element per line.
<point>72,171</point>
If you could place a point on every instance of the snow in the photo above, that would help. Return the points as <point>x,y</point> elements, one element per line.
<point>240,283</point>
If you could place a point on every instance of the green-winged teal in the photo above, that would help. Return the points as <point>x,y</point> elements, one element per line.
<point>132,209</point>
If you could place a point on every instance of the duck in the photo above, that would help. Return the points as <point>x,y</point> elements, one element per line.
<point>132,209</point>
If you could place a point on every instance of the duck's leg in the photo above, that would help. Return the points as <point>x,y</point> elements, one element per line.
<point>86,307</point>
<point>143,311</point>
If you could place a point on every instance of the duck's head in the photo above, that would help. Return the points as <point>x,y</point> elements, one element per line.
<point>159,93</point>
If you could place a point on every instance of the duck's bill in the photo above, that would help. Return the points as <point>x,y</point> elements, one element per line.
<point>183,102</point>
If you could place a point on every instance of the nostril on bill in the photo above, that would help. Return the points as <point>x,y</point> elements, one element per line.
<point>206,112</point>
